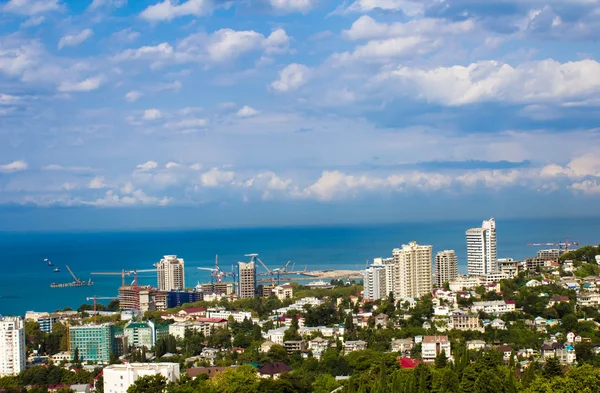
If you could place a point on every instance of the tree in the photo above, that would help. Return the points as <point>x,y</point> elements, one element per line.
<point>324,383</point>
<point>242,379</point>
<point>552,368</point>
<point>149,384</point>
<point>278,353</point>
<point>440,360</point>
<point>569,322</point>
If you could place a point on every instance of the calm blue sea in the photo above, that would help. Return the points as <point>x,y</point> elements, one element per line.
<point>26,278</point>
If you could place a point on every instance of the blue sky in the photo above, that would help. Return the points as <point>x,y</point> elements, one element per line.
<point>296,111</point>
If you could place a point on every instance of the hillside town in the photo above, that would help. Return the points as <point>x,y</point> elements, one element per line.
<point>413,324</point>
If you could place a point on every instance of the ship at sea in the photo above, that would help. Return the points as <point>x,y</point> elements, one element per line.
<point>76,283</point>
<point>319,284</point>
<point>48,262</point>
<point>56,270</point>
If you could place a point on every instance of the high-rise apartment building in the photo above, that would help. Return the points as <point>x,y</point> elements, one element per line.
<point>374,282</point>
<point>412,270</point>
<point>12,346</point>
<point>93,342</point>
<point>482,257</point>
<point>446,267</point>
<point>246,279</point>
<point>170,273</point>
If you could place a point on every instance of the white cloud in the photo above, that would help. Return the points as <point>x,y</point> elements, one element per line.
<point>133,96</point>
<point>367,28</point>
<point>227,44</point>
<point>216,178</point>
<point>168,10</point>
<point>580,166</point>
<point>88,84</point>
<point>172,164</point>
<point>61,168</point>
<point>33,21</point>
<point>495,81</point>
<point>7,99</point>
<point>75,39</point>
<point>126,35</point>
<point>96,4</point>
<point>292,77</point>
<point>135,197</point>
<point>247,111</point>
<point>97,182</point>
<point>151,114</point>
<point>408,7</point>
<point>30,7</point>
<point>378,50</point>
<point>15,166</point>
<point>147,166</point>
<point>187,123</point>
<point>289,6</point>
<point>590,187</point>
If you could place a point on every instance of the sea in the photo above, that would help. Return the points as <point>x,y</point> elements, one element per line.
<point>25,278</point>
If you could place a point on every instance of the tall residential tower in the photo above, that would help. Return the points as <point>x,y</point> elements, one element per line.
<point>446,267</point>
<point>412,270</point>
<point>482,258</point>
<point>170,273</point>
<point>12,346</point>
<point>247,279</point>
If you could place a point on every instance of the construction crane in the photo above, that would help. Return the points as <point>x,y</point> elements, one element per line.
<point>95,299</point>
<point>124,273</point>
<point>216,274</point>
<point>254,258</point>
<point>73,275</point>
<point>566,244</point>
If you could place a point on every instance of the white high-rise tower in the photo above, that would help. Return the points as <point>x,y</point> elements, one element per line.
<point>482,256</point>
<point>12,346</point>
<point>170,273</point>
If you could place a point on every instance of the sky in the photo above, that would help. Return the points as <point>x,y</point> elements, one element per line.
<point>154,113</point>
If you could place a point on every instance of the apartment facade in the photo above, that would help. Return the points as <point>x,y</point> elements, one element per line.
<point>246,279</point>
<point>481,249</point>
<point>170,273</point>
<point>12,346</point>
<point>432,346</point>
<point>446,267</point>
<point>374,282</point>
<point>412,270</point>
<point>94,342</point>
<point>119,377</point>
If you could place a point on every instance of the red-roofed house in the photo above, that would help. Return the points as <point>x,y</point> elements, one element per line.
<point>405,362</point>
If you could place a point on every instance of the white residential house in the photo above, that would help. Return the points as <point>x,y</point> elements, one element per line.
<point>494,306</point>
<point>12,346</point>
<point>402,345</point>
<point>441,311</point>
<point>351,346</point>
<point>432,346</point>
<point>266,346</point>
<point>276,335</point>
<point>533,284</point>
<point>119,377</point>
<point>318,345</point>
<point>498,324</point>
<point>475,345</point>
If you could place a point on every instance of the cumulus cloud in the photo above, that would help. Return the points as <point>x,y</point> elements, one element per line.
<point>88,84</point>
<point>247,111</point>
<point>408,7</point>
<point>367,28</point>
<point>194,122</point>
<point>98,4</point>
<point>61,168</point>
<point>580,166</point>
<point>168,10</point>
<point>97,182</point>
<point>216,178</point>
<point>590,187</point>
<point>289,6</point>
<point>75,39</point>
<point>291,78</point>
<point>133,96</point>
<point>135,197</point>
<point>147,166</point>
<point>383,50</point>
<point>496,81</point>
<point>152,114</point>
<point>15,166</point>
<point>30,7</point>
<point>224,45</point>
<point>33,21</point>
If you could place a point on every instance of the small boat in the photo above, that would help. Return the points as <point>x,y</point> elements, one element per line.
<point>50,263</point>
<point>56,270</point>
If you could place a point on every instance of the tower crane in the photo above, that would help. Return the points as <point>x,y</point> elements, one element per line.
<point>95,299</point>
<point>73,275</point>
<point>254,258</point>
<point>566,244</point>
<point>124,273</point>
<point>216,274</point>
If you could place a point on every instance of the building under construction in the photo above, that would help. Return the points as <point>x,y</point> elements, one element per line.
<point>147,298</point>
